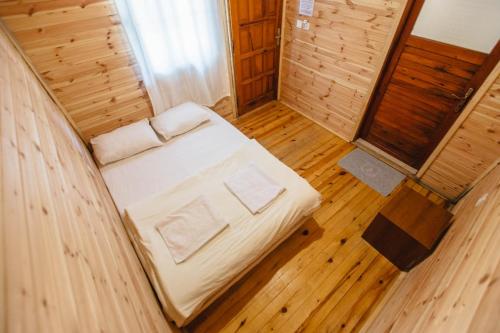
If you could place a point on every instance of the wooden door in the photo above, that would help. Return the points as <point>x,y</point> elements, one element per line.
<point>256,29</point>
<point>422,92</point>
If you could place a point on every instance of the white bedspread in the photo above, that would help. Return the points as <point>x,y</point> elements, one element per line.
<point>184,289</point>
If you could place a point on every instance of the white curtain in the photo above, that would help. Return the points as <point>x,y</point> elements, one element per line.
<point>180,47</point>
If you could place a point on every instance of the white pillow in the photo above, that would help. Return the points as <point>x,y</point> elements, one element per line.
<point>179,119</point>
<point>124,142</point>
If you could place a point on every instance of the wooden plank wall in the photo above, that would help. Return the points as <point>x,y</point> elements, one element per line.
<point>66,263</point>
<point>456,289</point>
<point>79,48</point>
<point>471,147</point>
<point>329,71</point>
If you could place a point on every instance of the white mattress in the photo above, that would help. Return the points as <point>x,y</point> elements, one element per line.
<point>155,170</point>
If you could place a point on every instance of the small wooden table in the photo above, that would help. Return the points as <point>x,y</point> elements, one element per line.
<point>408,228</point>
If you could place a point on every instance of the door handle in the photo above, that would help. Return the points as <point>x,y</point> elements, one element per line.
<point>278,37</point>
<point>462,99</point>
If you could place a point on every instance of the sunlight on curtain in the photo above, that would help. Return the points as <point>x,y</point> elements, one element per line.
<point>180,47</point>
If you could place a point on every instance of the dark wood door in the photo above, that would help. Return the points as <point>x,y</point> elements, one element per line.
<point>256,31</point>
<point>424,88</point>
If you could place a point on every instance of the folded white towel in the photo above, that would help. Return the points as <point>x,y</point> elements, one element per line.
<point>253,188</point>
<point>186,230</point>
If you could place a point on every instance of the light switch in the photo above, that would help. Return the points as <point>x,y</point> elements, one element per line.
<point>299,24</point>
<point>305,25</point>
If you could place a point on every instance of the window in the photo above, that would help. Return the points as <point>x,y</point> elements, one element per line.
<point>180,47</point>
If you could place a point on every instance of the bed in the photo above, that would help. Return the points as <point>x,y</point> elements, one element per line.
<point>154,182</point>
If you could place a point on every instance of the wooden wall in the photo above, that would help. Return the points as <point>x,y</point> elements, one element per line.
<point>329,71</point>
<point>472,146</point>
<point>80,49</point>
<point>66,263</point>
<point>456,289</point>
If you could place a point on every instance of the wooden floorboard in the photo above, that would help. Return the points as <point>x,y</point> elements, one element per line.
<point>324,278</point>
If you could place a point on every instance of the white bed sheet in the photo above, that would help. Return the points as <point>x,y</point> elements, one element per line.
<point>155,170</point>
<point>187,288</point>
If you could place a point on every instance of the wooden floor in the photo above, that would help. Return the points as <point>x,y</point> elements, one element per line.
<point>324,278</point>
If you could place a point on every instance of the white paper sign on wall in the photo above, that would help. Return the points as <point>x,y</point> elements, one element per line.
<point>306,7</point>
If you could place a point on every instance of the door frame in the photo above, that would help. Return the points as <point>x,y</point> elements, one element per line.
<point>230,54</point>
